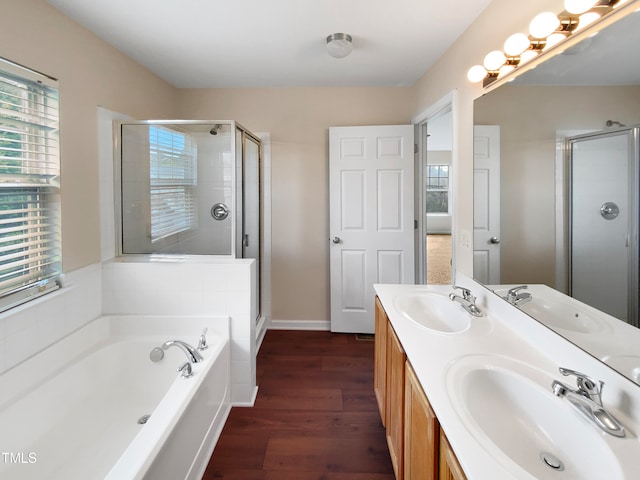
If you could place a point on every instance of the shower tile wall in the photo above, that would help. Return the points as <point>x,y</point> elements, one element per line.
<point>212,286</point>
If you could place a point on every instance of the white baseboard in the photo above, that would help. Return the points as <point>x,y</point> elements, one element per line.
<point>324,325</point>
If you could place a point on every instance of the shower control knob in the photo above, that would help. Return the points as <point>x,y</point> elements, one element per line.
<point>335,239</point>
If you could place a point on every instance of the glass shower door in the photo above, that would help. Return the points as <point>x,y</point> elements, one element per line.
<point>251,193</point>
<point>603,219</point>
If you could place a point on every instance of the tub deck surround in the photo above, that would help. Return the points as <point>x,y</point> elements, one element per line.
<point>75,406</point>
<point>503,332</point>
<point>192,285</point>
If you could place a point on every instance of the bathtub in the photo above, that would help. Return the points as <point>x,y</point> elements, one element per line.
<point>73,410</point>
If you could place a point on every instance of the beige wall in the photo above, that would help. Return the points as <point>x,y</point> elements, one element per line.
<point>499,20</point>
<point>528,138</point>
<point>298,120</point>
<point>91,73</point>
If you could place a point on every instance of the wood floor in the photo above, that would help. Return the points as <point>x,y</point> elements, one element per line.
<point>315,417</point>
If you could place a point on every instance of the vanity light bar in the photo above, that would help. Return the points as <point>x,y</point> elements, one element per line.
<point>545,30</point>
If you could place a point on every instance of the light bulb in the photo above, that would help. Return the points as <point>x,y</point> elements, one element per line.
<point>579,6</point>
<point>587,19</point>
<point>527,55</point>
<point>494,60</point>
<point>554,39</point>
<point>476,73</point>
<point>543,25</point>
<point>516,44</point>
<point>505,69</point>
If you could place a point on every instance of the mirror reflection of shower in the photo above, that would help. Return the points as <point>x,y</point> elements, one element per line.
<point>603,269</point>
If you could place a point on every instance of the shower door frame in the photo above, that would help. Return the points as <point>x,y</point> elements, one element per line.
<point>633,283</point>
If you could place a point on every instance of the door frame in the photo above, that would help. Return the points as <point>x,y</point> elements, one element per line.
<point>420,121</point>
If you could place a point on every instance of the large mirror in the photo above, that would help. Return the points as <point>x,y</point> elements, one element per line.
<point>556,193</point>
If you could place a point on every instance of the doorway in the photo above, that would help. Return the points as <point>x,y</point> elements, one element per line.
<point>435,192</point>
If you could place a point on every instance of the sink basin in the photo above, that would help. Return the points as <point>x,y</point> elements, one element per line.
<point>628,365</point>
<point>560,312</point>
<point>433,311</point>
<point>563,316</point>
<point>510,410</point>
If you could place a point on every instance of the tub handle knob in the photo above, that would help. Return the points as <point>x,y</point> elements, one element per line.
<point>202,343</point>
<point>186,370</point>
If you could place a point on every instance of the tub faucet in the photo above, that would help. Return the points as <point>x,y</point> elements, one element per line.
<point>185,370</point>
<point>587,399</point>
<point>202,342</point>
<point>192,354</point>
<point>467,301</point>
<point>515,298</point>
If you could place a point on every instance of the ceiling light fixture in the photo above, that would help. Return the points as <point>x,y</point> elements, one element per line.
<point>339,45</point>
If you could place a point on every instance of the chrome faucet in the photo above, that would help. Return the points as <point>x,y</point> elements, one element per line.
<point>467,301</point>
<point>202,342</point>
<point>587,399</point>
<point>192,354</point>
<point>515,298</point>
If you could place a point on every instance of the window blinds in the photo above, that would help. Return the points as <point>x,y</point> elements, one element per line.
<point>173,176</point>
<point>30,259</point>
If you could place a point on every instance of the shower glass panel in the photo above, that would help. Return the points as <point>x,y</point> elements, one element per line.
<point>251,195</point>
<point>604,217</point>
<point>183,189</point>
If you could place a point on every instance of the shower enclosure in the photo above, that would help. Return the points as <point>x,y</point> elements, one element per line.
<point>190,188</point>
<point>603,216</point>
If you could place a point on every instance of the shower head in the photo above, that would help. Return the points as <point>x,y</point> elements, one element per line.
<point>214,130</point>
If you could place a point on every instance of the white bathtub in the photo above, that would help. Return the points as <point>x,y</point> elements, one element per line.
<point>71,412</point>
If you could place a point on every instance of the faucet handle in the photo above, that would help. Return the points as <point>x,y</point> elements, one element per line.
<point>514,290</point>
<point>466,293</point>
<point>202,343</point>
<point>186,370</point>
<point>586,385</point>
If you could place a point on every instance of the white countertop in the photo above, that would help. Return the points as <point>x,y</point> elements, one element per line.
<point>501,331</point>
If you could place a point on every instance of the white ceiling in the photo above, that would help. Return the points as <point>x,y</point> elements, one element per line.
<point>277,43</point>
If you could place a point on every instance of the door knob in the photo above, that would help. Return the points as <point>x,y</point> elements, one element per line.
<point>494,240</point>
<point>335,239</point>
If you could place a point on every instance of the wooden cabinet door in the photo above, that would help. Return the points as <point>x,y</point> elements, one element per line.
<point>395,400</point>
<point>421,432</point>
<point>450,469</point>
<point>380,360</point>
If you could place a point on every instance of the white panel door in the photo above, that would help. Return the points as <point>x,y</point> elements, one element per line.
<point>371,218</point>
<point>486,204</point>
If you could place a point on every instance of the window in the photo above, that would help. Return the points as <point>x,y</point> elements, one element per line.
<point>173,176</point>
<point>437,189</point>
<point>30,258</point>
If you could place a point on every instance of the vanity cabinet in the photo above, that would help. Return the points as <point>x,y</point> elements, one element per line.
<point>418,448</point>
<point>421,431</point>
<point>380,365</point>
<point>395,400</point>
<point>449,468</point>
